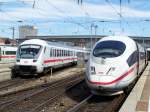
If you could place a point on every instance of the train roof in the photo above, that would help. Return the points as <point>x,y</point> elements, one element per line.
<point>14,48</point>
<point>125,39</point>
<point>43,42</point>
<point>53,44</point>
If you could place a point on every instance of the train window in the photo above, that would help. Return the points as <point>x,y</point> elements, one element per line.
<point>58,53</point>
<point>0,54</point>
<point>55,52</point>
<point>61,53</point>
<point>109,49</point>
<point>142,55</point>
<point>133,58</point>
<point>65,53</point>
<point>51,52</point>
<point>69,53</point>
<point>10,52</point>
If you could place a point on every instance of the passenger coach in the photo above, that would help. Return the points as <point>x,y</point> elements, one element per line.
<point>37,56</point>
<point>7,53</point>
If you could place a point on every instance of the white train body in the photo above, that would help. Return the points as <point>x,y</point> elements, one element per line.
<point>36,56</point>
<point>114,64</point>
<point>7,53</point>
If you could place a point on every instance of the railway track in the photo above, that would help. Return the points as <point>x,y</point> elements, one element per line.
<point>79,99</point>
<point>102,103</point>
<point>99,104</point>
<point>35,99</point>
<point>10,83</point>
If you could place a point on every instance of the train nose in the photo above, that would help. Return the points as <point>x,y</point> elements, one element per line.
<point>94,70</point>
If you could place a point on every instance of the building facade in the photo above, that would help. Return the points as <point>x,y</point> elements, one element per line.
<point>27,31</point>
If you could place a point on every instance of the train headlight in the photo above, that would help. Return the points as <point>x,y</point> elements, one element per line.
<point>34,60</point>
<point>93,70</point>
<point>18,60</point>
<point>113,68</point>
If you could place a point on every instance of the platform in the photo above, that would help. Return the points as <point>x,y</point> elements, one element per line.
<point>138,99</point>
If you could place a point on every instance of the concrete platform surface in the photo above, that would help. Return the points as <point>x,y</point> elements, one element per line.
<point>138,100</point>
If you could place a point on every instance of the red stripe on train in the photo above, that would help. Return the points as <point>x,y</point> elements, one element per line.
<point>116,80</point>
<point>7,56</point>
<point>58,60</point>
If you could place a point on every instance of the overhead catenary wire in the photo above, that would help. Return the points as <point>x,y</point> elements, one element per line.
<point>62,12</point>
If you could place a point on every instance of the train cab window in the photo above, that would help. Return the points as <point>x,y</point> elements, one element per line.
<point>29,51</point>
<point>109,49</point>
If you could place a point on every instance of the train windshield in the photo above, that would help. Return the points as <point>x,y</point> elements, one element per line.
<point>109,49</point>
<point>29,51</point>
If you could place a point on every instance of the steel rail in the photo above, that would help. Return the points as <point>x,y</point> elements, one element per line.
<point>20,98</point>
<point>81,104</point>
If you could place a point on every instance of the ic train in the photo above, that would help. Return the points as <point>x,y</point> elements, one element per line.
<point>7,53</point>
<point>115,62</point>
<point>37,56</point>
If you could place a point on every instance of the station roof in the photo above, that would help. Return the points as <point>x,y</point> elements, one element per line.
<point>80,37</point>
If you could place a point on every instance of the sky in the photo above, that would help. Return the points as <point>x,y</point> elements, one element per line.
<point>67,17</point>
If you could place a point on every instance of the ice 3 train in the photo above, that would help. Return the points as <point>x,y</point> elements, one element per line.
<point>37,56</point>
<point>115,62</point>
